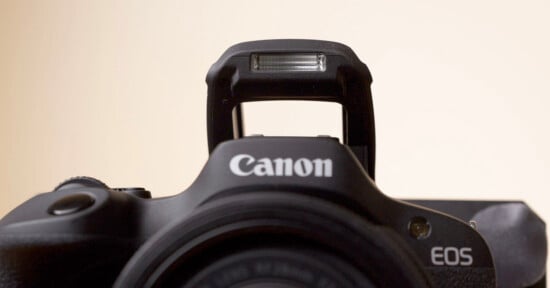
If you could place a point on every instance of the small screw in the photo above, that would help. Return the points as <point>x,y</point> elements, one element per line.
<point>473,224</point>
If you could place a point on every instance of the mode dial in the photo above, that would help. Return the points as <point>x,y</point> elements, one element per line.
<point>81,181</point>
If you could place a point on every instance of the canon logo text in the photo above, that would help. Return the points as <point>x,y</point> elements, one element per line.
<point>246,165</point>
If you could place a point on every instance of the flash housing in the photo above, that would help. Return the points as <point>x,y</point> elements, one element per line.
<point>292,69</point>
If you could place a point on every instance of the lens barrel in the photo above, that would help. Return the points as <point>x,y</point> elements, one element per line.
<point>273,239</point>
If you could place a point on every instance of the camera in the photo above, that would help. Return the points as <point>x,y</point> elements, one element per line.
<point>273,212</point>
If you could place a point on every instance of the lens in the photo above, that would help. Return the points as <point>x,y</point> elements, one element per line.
<point>273,239</point>
<point>266,285</point>
<point>279,267</point>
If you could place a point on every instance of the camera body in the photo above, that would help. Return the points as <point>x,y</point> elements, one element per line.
<point>294,211</point>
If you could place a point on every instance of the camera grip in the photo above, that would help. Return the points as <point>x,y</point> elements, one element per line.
<point>344,80</point>
<point>79,235</point>
<point>62,260</point>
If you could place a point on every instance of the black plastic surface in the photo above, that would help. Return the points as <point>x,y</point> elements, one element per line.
<point>514,233</point>
<point>346,81</point>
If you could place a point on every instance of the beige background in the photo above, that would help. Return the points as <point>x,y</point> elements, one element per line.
<point>115,90</point>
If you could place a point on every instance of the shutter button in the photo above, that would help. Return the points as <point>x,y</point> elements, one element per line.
<point>71,204</point>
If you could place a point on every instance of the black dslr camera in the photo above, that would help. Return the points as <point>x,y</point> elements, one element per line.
<point>273,212</point>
